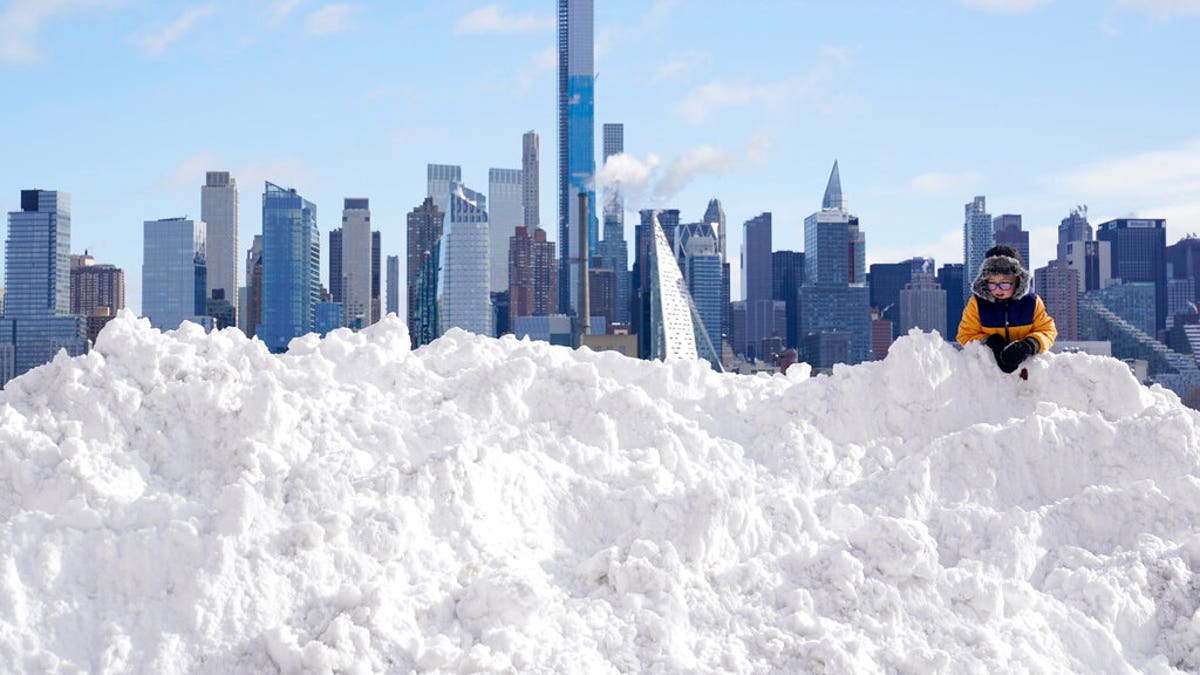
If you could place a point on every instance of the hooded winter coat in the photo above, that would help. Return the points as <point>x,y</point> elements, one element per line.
<point>1016,318</point>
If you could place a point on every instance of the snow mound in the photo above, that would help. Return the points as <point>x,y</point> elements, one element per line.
<point>184,502</point>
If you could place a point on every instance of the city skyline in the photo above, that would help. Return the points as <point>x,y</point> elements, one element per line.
<point>1038,106</point>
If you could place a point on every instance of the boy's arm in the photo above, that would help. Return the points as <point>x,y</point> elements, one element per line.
<point>1044,330</point>
<point>970,328</point>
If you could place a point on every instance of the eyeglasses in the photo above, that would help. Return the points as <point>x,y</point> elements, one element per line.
<point>1002,285</point>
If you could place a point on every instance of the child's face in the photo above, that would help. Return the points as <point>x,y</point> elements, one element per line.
<point>1001,286</point>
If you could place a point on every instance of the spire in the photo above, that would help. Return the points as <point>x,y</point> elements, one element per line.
<point>833,191</point>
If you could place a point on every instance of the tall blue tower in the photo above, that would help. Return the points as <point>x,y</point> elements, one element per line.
<point>291,267</point>
<point>576,143</point>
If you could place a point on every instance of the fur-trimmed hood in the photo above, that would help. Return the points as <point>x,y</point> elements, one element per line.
<point>1006,266</point>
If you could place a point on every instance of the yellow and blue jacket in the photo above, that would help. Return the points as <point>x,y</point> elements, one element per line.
<point>1016,318</point>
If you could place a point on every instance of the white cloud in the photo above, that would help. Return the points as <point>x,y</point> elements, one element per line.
<point>1006,6</point>
<point>681,170</point>
<point>706,99</point>
<point>21,25</point>
<point>535,68</point>
<point>329,19</point>
<point>157,43</point>
<point>1162,8</point>
<point>492,19</point>
<point>188,172</point>
<point>650,182</point>
<point>935,182</point>
<point>680,64</point>
<point>283,9</point>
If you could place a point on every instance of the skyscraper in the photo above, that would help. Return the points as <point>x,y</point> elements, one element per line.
<point>37,275</point>
<point>464,300</point>
<point>335,265</point>
<point>219,211</point>
<point>376,273</point>
<point>1057,284</point>
<point>1139,255</point>
<point>393,285</point>
<point>505,192</point>
<point>1006,229</point>
<point>922,304</point>
<point>714,215</point>
<point>1074,227</point>
<point>531,203</point>
<point>787,274</point>
<point>251,316</point>
<point>424,231</point>
<point>174,272</point>
<point>95,287</point>
<point>977,239</point>
<point>356,263</point>
<point>834,298</point>
<point>757,276</point>
<point>438,178</point>
<point>291,257</point>
<point>532,274</point>
<point>614,250</point>
<point>576,143</point>
<point>950,276</point>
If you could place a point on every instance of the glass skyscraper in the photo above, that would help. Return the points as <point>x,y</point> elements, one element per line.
<point>424,232</point>
<point>37,274</point>
<point>1139,248</point>
<point>614,251</point>
<point>174,272</point>
<point>357,263</point>
<point>291,285</point>
<point>505,214</point>
<point>576,142</point>
<point>977,239</point>
<point>464,300</point>
<point>219,213</point>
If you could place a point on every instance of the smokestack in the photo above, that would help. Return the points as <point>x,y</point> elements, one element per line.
<point>584,314</point>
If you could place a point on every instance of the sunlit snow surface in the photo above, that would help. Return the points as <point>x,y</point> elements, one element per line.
<point>185,502</point>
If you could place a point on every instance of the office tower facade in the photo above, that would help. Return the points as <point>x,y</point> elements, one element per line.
<point>673,333</point>
<point>885,281</point>
<point>1093,260</point>
<point>505,213</point>
<point>576,143</point>
<point>37,257</point>
<point>640,280</point>
<point>1058,286</point>
<point>834,298</point>
<point>1139,255</point>
<point>1006,230</point>
<point>1074,227</point>
<point>356,264</point>
<point>602,296</point>
<point>714,215</point>
<point>1183,262</point>
<point>424,228</point>
<point>393,285</point>
<point>614,250</point>
<point>531,196</point>
<point>291,267</point>
<point>950,276</point>
<point>922,305</point>
<point>977,239</point>
<point>757,273</point>
<point>438,178</point>
<point>219,211</point>
<point>532,274</point>
<point>96,288</point>
<point>376,276</point>
<point>787,275</point>
<point>335,265</point>
<point>464,300</point>
<point>251,314</point>
<point>174,272</point>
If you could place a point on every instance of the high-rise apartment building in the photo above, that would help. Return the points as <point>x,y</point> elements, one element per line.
<point>174,272</point>
<point>96,288</point>
<point>532,274</point>
<point>37,256</point>
<point>1058,286</point>
<point>425,224</point>
<point>576,143</point>
<point>356,268</point>
<point>1006,230</point>
<point>219,211</point>
<point>464,300</point>
<point>1139,255</point>
<point>291,285</point>
<point>531,203</point>
<point>977,239</point>
<point>505,213</point>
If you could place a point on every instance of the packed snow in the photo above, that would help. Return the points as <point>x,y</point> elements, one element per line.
<point>188,502</point>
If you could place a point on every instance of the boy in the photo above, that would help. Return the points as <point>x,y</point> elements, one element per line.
<point>1004,313</point>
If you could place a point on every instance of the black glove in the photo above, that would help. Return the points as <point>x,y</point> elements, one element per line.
<point>996,344</point>
<point>1016,352</point>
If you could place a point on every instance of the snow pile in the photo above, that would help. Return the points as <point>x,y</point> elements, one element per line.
<point>185,502</point>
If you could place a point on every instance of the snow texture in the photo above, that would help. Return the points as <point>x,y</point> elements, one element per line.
<point>182,502</point>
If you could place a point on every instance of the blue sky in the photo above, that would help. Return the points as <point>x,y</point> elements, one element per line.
<point>1040,105</point>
